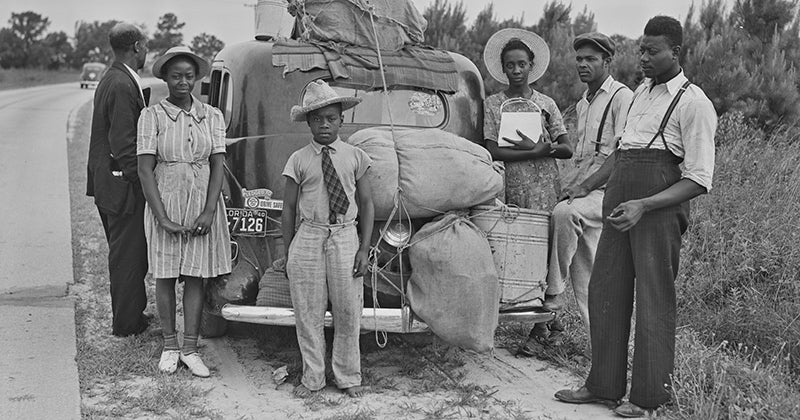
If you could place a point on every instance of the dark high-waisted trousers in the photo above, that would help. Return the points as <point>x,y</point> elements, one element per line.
<point>644,259</point>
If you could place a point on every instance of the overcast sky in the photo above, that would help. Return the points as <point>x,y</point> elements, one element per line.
<point>232,20</point>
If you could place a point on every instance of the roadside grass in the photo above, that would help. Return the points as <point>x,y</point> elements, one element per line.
<point>118,376</point>
<point>741,271</point>
<point>164,396</point>
<point>739,288</point>
<point>22,78</point>
<point>729,382</point>
<point>361,413</point>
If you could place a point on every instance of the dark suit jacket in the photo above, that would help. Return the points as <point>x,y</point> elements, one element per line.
<point>112,148</point>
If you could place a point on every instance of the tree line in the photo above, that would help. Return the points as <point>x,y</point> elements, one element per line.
<point>745,56</point>
<point>27,43</point>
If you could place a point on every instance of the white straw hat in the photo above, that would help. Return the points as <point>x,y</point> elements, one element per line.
<point>318,95</point>
<point>495,45</point>
<point>202,65</point>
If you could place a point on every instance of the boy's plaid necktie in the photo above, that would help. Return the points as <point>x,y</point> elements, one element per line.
<point>337,199</point>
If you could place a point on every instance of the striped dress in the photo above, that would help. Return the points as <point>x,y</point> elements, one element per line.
<point>182,143</point>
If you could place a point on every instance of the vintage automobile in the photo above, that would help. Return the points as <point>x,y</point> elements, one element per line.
<point>255,84</point>
<point>91,74</point>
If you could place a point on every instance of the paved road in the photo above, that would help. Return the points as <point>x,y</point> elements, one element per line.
<point>35,248</point>
<point>38,374</point>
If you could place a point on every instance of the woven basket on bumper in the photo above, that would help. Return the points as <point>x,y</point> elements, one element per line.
<point>273,290</point>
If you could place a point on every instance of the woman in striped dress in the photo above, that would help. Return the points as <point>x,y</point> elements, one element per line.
<point>181,151</point>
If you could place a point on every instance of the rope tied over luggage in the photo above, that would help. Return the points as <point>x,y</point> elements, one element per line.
<point>381,337</point>
<point>400,213</point>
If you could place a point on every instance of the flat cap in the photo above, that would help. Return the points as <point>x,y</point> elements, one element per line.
<point>601,41</point>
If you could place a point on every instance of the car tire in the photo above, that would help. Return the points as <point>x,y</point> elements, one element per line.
<point>212,325</point>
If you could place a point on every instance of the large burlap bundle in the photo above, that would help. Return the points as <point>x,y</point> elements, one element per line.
<point>397,22</point>
<point>436,171</point>
<point>454,286</point>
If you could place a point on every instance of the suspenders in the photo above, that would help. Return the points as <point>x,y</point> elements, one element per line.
<point>668,114</point>
<point>603,121</point>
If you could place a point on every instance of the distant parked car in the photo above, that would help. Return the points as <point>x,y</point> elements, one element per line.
<point>91,74</point>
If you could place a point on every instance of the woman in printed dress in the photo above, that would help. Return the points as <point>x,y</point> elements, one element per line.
<point>517,58</point>
<point>181,151</point>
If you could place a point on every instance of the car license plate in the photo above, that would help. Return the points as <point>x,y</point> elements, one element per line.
<point>247,222</point>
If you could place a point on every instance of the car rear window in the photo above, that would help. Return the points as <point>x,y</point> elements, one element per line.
<point>408,107</point>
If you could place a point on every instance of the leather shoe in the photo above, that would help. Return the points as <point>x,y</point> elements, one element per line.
<point>631,410</point>
<point>195,364</point>
<point>169,361</point>
<point>582,396</point>
<point>144,322</point>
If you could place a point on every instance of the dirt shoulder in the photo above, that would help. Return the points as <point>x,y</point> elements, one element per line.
<point>413,377</point>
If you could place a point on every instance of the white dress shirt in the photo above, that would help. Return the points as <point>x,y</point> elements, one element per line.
<point>136,79</point>
<point>587,157</point>
<point>689,133</point>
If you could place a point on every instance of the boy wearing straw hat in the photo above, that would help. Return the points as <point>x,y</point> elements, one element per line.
<point>326,187</point>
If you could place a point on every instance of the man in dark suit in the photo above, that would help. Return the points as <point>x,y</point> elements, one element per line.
<point>113,180</point>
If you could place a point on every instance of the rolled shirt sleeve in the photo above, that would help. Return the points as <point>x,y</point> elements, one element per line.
<point>291,170</point>
<point>217,131</point>
<point>363,163</point>
<point>698,125</point>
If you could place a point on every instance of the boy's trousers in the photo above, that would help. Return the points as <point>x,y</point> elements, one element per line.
<point>320,268</point>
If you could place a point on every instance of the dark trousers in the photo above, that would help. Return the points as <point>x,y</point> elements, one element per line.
<point>127,267</point>
<point>644,259</point>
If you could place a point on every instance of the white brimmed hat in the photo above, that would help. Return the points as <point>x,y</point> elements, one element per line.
<point>202,65</point>
<point>495,45</point>
<point>319,95</point>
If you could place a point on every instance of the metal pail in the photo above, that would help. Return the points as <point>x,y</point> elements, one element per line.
<point>519,241</point>
<point>272,19</point>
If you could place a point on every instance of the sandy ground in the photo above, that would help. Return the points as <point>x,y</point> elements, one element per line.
<point>414,377</point>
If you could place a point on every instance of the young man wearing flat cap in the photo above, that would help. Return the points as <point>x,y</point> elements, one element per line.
<point>577,219</point>
<point>327,186</point>
<point>665,158</point>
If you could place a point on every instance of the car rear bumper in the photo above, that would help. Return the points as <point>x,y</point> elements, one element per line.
<point>393,320</point>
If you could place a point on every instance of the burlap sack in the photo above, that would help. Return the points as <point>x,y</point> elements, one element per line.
<point>436,171</point>
<point>397,23</point>
<point>454,286</point>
